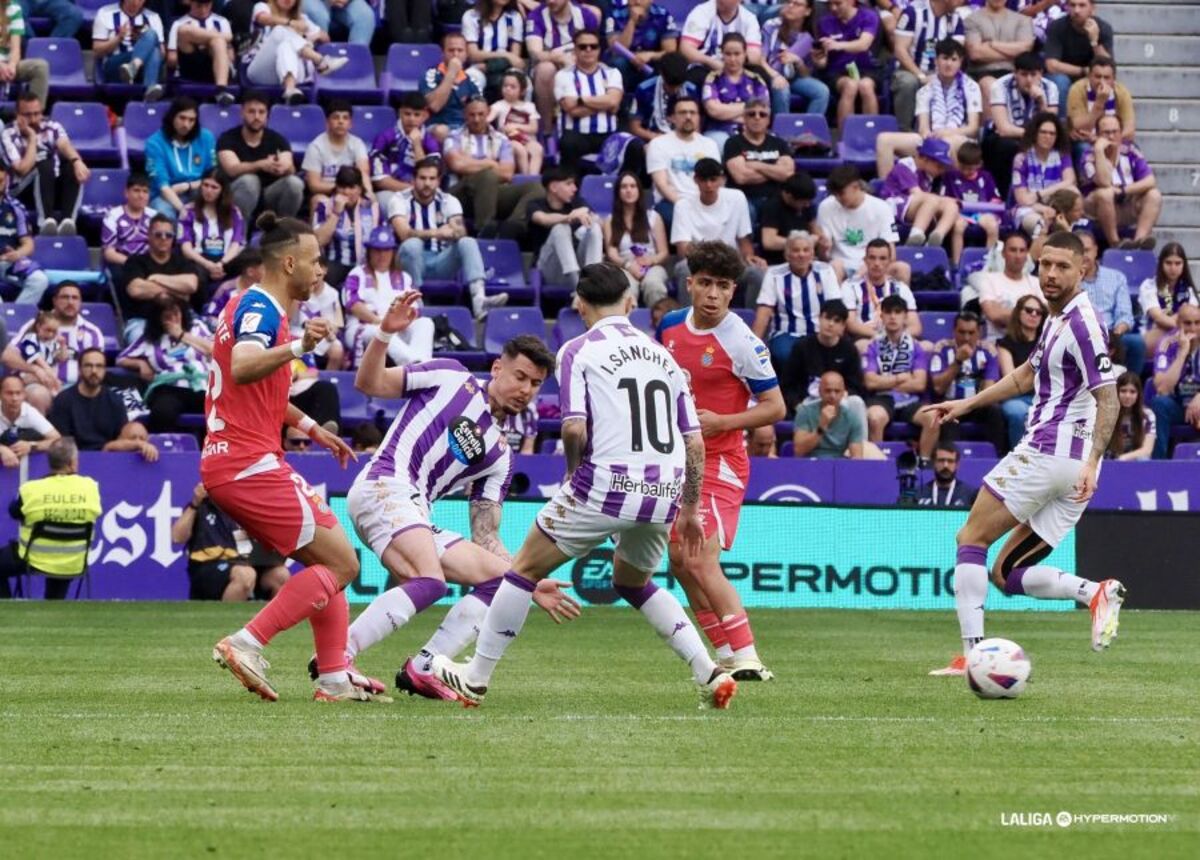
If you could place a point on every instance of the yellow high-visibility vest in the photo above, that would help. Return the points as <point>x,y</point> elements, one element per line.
<point>60,499</point>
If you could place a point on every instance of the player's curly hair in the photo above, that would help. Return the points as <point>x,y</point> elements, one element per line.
<point>602,285</point>
<point>533,348</point>
<point>715,259</point>
<point>278,234</point>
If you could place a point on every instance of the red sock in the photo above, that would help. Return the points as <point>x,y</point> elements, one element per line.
<point>305,594</point>
<point>711,625</point>
<point>737,630</point>
<point>331,628</point>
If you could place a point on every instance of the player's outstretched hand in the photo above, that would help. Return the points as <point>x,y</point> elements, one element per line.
<point>690,531</point>
<point>335,445</point>
<point>551,596</point>
<point>946,412</point>
<point>401,314</point>
<point>1085,487</point>
<point>315,331</point>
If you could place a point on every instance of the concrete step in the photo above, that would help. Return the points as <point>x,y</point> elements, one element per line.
<point>1189,237</point>
<point>1170,147</point>
<point>1161,83</point>
<point>1157,50</point>
<point>1180,211</point>
<point>1168,19</point>
<point>1167,114</point>
<point>1181,179</point>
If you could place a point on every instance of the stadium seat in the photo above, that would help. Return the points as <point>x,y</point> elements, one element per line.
<point>300,124</point>
<point>923,259</point>
<point>971,261</point>
<point>371,120</point>
<point>597,193</point>
<point>139,122</point>
<point>355,406</point>
<point>104,190</point>
<point>568,325</point>
<point>747,315</point>
<point>787,449</point>
<point>102,315</point>
<point>355,80</point>
<point>87,126</point>
<point>65,57</point>
<point>219,119</point>
<point>506,270</point>
<point>977,450</point>
<point>641,319</point>
<point>794,126</point>
<point>857,145</point>
<point>936,325</point>
<point>463,323</point>
<point>406,65</point>
<point>89,8</point>
<point>892,450</point>
<point>1187,451</point>
<point>1136,266</point>
<point>62,252</point>
<point>16,316</point>
<point>174,443</point>
<point>503,324</point>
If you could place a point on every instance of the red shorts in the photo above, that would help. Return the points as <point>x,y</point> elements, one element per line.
<point>277,508</point>
<point>720,505</point>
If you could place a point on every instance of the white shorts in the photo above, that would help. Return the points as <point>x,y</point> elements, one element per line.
<point>385,507</point>
<point>1039,489</point>
<point>577,529</point>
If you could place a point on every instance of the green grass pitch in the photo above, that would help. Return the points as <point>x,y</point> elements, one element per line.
<point>122,739</point>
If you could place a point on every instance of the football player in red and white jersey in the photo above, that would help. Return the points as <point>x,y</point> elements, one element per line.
<point>242,467</point>
<point>727,366</point>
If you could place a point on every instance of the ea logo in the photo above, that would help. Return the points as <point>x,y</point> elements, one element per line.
<point>592,577</point>
<point>789,493</point>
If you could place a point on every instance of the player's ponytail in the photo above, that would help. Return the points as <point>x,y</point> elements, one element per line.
<point>278,234</point>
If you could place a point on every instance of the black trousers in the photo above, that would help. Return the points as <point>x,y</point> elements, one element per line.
<point>48,195</point>
<point>998,155</point>
<point>411,21</point>
<point>573,146</point>
<point>167,403</point>
<point>56,586</point>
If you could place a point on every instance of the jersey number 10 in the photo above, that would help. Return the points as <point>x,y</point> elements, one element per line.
<point>645,403</point>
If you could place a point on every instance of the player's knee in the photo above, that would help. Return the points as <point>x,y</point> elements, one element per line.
<point>242,578</point>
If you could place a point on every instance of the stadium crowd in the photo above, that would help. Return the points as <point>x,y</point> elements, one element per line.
<point>887,172</point>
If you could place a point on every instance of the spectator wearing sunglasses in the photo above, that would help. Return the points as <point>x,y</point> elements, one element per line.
<point>160,273</point>
<point>756,160</point>
<point>589,96</point>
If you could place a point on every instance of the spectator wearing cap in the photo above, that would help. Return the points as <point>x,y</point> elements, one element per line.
<point>913,189</point>
<point>433,238</point>
<point>589,97</point>
<point>851,218</point>
<point>47,169</point>
<point>396,150</point>
<point>788,44</point>
<point>727,93</point>
<point>125,230</point>
<point>447,87</point>
<point>1000,292</point>
<point>177,155</point>
<point>756,160</point>
<point>127,41</point>
<point>369,291</point>
<point>788,209</point>
<point>792,295</point>
<point>162,272</point>
<point>946,490</point>
<point>654,99</point>
<point>333,149</point>
<point>1073,42</point>
<point>550,30</point>
<point>480,161</point>
<point>846,57</point>
<point>895,370</point>
<point>829,348</point>
<point>1108,291</point>
<point>671,159</point>
<point>1121,188</point>
<point>635,239</point>
<point>830,427</point>
<point>995,37</point>
<point>949,108</point>
<point>959,367</point>
<point>23,429</point>
<point>1013,100</point>
<point>919,30</point>
<point>645,32</point>
<point>200,48</point>
<point>94,415</point>
<point>1095,97</point>
<point>1177,380</point>
<point>17,266</point>
<point>259,161</point>
<point>716,212</point>
<point>565,233</point>
<point>495,34</point>
<point>343,222</point>
<point>75,332</point>
<point>864,294</point>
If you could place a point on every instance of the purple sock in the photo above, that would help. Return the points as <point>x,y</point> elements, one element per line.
<point>485,591</point>
<point>636,595</point>
<point>972,555</point>
<point>1012,585</point>
<point>424,591</point>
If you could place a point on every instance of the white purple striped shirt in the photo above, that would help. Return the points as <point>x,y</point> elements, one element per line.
<point>79,336</point>
<point>498,35</point>
<point>174,356</point>
<point>796,299</point>
<point>1069,362</point>
<point>926,29</point>
<point>492,144</point>
<point>573,83</point>
<point>205,233</point>
<point>349,232</point>
<point>426,216</point>
<point>444,436</point>
<point>633,466</point>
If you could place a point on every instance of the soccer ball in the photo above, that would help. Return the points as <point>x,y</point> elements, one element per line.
<point>997,669</point>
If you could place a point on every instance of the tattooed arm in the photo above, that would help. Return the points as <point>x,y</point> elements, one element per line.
<point>485,527</point>
<point>693,470</point>
<point>1108,407</point>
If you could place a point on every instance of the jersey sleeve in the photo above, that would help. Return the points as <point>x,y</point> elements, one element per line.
<point>257,321</point>
<point>1093,351</point>
<point>685,407</point>
<point>572,385</point>
<point>433,374</point>
<point>752,364</point>
<point>492,486</point>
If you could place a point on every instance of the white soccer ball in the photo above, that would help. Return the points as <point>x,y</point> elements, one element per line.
<point>997,669</point>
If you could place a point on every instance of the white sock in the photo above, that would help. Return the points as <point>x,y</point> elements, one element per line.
<point>388,612</point>
<point>1051,583</point>
<point>970,593</point>
<point>458,629</point>
<point>501,625</point>
<point>724,652</point>
<point>333,681</point>
<point>669,620</point>
<point>247,640</point>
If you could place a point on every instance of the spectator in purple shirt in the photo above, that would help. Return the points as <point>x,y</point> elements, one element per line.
<point>1041,167</point>
<point>1177,379</point>
<point>971,183</point>
<point>959,367</point>
<point>726,93</point>
<point>1120,186</point>
<point>396,151</point>
<point>125,230</point>
<point>914,189</point>
<point>788,43</point>
<point>895,370</point>
<point>846,38</point>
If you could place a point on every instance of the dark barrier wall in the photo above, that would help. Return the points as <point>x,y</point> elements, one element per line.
<point>1156,555</point>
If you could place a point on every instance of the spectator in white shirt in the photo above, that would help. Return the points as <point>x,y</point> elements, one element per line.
<point>851,218</point>
<point>671,159</point>
<point>999,292</point>
<point>127,42</point>
<point>22,428</point>
<point>200,48</point>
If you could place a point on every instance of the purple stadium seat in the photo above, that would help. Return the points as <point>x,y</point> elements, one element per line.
<point>87,126</point>
<point>923,259</point>
<point>1136,266</point>
<point>463,323</point>
<point>597,193</point>
<point>67,77</point>
<point>1187,451</point>
<point>641,320</point>
<point>747,315</point>
<point>300,124</point>
<point>568,325</point>
<point>970,262</point>
<point>355,406</point>
<point>219,119</point>
<point>174,443</point>
<point>936,325</point>
<point>103,317</point>
<point>371,120</point>
<point>787,449</point>
<point>355,80</point>
<point>15,316</point>
<point>104,190</point>
<point>503,324</point>
<point>857,146</point>
<point>977,450</point>
<point>61,252</point>
<point>503,258</point>
<point>89,8</point>
<point>892,450</point>
<point>140,121</point>
<point>794,126</point>
<point>406,65</point>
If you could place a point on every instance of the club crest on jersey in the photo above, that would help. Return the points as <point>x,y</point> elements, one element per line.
<point>470,387</point>
<point>465,439</point>
<point>707,358</point>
